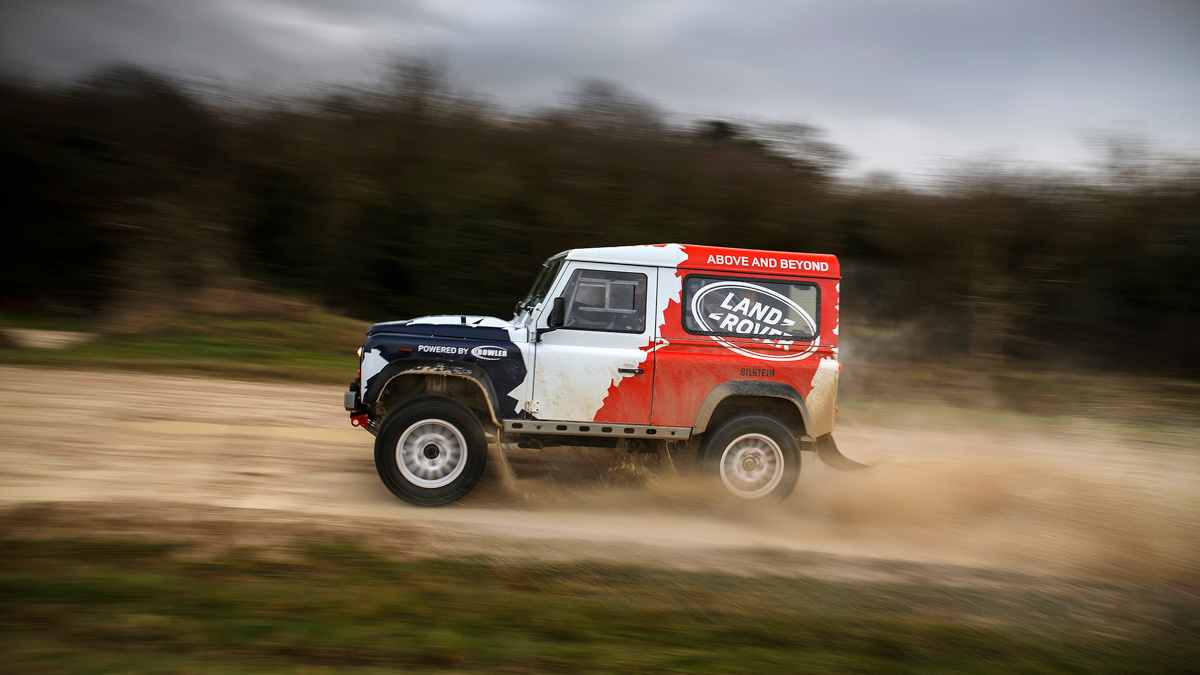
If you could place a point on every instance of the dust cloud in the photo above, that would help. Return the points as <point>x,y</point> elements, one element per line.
<point>1070,500</point>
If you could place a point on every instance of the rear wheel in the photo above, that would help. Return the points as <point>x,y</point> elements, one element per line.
<point>430,452</point>
<point>754,455</point>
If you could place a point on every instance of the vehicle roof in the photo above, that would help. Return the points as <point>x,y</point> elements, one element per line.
<point>714,259</point>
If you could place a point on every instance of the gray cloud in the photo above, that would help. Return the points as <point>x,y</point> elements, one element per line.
<point>901,84</point>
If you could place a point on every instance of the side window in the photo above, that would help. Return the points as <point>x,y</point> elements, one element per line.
<point>606,301</point>
<point>753,308</point>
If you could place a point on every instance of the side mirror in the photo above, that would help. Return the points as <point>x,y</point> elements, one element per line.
<point>558,313</point>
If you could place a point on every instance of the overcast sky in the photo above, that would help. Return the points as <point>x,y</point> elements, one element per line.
<point>904,85</point>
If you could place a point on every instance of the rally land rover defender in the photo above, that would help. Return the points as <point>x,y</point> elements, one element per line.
<point>728,354</point>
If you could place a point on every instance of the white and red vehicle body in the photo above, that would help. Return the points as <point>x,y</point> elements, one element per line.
<point>687,366</point>
<point>650,342</point>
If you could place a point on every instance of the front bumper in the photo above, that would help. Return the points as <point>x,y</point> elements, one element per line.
<point>350,400</point>
<point>358,413</point>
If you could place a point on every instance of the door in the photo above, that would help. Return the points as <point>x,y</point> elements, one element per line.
<point>599,366</point>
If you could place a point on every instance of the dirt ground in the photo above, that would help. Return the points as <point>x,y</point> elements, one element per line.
<point>953,497</point>
<point>30,338</point>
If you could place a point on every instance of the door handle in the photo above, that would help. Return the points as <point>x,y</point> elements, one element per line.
<point>631,371</point>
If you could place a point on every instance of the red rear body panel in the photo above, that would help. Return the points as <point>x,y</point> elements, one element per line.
<point>687,366</point>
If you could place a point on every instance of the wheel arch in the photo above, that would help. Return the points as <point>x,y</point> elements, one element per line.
<point>733,392</point>
<point>418,377</point>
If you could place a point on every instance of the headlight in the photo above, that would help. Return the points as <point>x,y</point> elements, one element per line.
<point>360,352</point>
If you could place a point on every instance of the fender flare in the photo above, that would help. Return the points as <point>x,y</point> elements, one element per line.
<point>405,367</point>
<point>749,388</point>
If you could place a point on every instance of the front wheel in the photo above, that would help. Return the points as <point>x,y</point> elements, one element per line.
<point>754,455</point>
<point>430,452</point>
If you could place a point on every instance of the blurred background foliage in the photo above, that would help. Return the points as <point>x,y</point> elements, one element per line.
<point>129,192</point>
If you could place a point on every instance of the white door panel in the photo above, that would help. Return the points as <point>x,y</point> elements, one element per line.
<point>575,367</point>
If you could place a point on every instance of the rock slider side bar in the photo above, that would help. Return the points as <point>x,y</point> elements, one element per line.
<point>596,429</point>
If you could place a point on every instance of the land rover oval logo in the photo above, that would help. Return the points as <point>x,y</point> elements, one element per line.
<point>489,353</point>
<point>736,308</point>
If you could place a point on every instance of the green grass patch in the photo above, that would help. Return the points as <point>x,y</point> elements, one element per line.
<point>98,606</point>
<point>1004,390</point>
<point>44,322</point>
<point>318,347</point>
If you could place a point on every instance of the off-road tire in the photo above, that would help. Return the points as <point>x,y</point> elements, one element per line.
<point>753,456</point>
<point>444,451</point>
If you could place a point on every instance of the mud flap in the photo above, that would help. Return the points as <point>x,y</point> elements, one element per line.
<point>828,451</point>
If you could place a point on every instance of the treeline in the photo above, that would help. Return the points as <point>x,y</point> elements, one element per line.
<point>131,190</point>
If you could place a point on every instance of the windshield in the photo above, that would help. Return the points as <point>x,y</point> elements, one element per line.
<point>541,285</point>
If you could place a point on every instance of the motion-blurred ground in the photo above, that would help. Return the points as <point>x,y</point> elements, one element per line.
<point>1075,524</point>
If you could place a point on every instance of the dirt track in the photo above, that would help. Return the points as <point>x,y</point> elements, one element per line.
<point>234,463</point>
